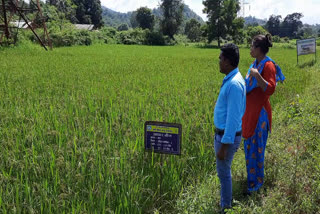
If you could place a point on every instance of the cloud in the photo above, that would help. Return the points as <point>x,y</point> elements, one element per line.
<point>309,8</point>
<point>128,5</point>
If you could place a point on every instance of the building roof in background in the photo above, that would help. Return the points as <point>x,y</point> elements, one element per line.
<point>84,27</point>
<point>20,24</point>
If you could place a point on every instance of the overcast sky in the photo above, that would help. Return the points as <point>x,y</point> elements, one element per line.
<point>259,8</point>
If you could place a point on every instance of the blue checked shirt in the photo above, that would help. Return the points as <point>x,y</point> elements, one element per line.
<point>230,106</point>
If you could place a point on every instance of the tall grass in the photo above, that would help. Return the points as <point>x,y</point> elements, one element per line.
<point>71,125</point>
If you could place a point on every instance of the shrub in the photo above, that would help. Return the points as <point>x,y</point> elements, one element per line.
<point>83,38</point>
<point>131,37</point>
<point>276,38</point>
<point>70,38</point>
<point>123,27</point>
<point>99,37</point>
<point>181,39</point>
<point>285,40</point>
<point>154,38</point>
<point>109,32</point>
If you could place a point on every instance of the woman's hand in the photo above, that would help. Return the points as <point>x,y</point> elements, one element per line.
<point>254,72</point>
<point>262,83</point>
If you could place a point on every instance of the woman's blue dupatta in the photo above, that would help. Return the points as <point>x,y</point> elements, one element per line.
<point>252,83</point>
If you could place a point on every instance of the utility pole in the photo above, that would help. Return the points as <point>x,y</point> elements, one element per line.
<point>18,8</point>
<point>243,4</point>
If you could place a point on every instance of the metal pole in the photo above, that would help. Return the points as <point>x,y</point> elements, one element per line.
<point>44,25</point>
<point>297,52</point>
<point>22,16</point>
<point>161,165</point>
<point>315,53</point>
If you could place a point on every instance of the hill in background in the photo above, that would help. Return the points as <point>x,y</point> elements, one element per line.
<point>114,19</point>
<point>250,20</point>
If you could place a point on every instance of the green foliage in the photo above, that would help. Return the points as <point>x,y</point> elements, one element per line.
<point>253,31</point>
<point>181,39</point>
<point>133,20</point>
<point>113,19</point>
<point>276,38</point>
<point>273,25</point>
<point>132,37</point>
<point>306,32</point>
<point>123,27</point>
<point>223,21</point>
<point>145,18</point>
<point>70,38</point>
<point>109,31</point>
<point>172,16</point>
<point>89,12</point>
<point>193,30</point>
<point>75,11</point>
<point>291,25</point>
<point>204,30</point>
<point>154,38</point>
<point>285,39</point>
<point>237,32</point>
<point>60,9</point>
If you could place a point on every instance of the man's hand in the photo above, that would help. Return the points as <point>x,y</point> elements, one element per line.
<point>222,154</point>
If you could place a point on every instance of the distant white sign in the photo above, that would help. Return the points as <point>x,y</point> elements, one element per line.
<point>306,46</point>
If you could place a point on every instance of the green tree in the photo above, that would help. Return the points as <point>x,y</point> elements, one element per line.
<point>273,24</point>
<point>123,27</point>
<point>89,12</point>
<point>65,8</point>
<point>172,16</point>
<point>306,31</point>
<point>133,20</point>
<point>237,32</point>
<point>145,18</point>
<point>204,30</point>
<point>253,31</point>
<point>55,19</point>
<point>193,30</point>
<point>291,25</point>
<point>222,19</point>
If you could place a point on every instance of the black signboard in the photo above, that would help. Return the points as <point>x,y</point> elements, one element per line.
<point>161,137</point>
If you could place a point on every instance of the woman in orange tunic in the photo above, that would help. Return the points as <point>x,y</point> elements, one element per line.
<point>256,123</point>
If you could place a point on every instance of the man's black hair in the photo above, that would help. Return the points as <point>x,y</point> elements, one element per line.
<point>231,52</point>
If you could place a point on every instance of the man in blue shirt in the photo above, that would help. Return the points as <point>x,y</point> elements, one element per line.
<point>228,113</point>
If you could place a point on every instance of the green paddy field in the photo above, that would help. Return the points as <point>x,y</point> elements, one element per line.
<point>72,132</point>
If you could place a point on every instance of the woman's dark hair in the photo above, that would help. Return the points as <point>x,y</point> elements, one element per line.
<point>231,52</point>
<point>264,42</point>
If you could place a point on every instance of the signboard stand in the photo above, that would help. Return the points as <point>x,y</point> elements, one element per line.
<point>163,138</point>
<point>161,174</point>
<point>306,46</point>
